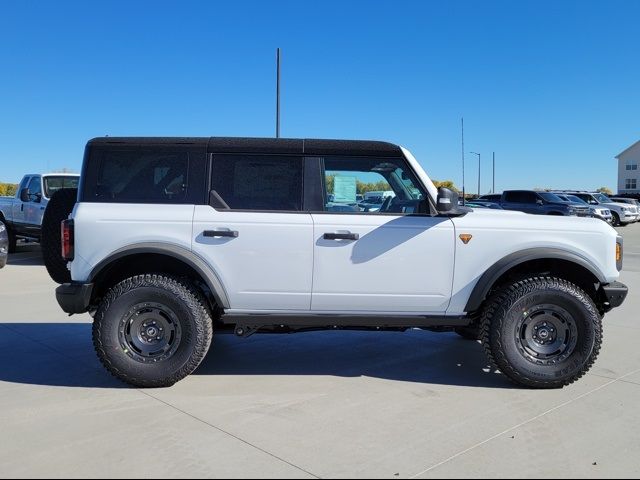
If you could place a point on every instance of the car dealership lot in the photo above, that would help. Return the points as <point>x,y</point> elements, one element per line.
<point>326,404</point>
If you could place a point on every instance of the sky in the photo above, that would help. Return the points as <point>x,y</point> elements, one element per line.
<point>553,87</point>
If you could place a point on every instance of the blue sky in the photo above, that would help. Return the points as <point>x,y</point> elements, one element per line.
<point>553,87</point>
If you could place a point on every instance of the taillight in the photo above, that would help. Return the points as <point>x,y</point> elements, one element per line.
<point>66,231</point>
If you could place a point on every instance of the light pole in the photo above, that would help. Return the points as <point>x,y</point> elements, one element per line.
<point>474,153</point>
<point>493,188</point>
<point>278,93</point>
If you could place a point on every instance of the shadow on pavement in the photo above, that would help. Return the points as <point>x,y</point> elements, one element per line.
<point>61,354</point>
<point>27,254</point>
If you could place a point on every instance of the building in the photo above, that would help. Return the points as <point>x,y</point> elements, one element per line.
<point>628,172</point>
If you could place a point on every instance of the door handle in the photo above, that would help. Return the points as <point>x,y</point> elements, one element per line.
<point>221,233</point>
<point>341,236</point>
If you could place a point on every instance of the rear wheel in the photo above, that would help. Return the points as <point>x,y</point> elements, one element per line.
<point>58,209</point>
<point>542,332</point>
<point>152,330</point>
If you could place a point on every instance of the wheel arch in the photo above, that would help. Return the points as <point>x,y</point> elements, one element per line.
<point>536,260</point>
<point>144,257</point>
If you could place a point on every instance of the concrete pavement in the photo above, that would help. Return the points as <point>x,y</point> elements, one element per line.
<point>326,404</point>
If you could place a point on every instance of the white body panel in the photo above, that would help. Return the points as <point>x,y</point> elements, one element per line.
<point>497,234</point>
<point>399,264</point>
<point>103,228</point>
<point>281,262</point>
<point>268,266</point>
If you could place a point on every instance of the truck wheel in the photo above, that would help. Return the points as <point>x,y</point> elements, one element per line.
<point>58,209</point>
<point>152,330</point>
<point>542,332</point>
<point>616,219</point>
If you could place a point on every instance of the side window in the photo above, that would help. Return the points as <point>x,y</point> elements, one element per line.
<point>258,182</point>
<point>529,197</point>
<point>23,184</point>
<point>35,188</point>
<point>370,186</point>
<point>513,197</point>
<point>143,176</point>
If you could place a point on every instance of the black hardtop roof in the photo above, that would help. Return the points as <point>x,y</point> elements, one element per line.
<point>261,145</point>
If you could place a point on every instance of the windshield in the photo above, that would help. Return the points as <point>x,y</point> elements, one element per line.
<point>575,199</point>
<point>550,197</point>
<point>53,184</point>
<point>602,198</point>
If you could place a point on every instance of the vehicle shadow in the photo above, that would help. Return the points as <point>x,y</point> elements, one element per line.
<point>27,254</point>
<point>61,354</point>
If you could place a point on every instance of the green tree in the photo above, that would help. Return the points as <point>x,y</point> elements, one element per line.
<point>446,184</point>
<point>8,189</point>
<point>605,190</point>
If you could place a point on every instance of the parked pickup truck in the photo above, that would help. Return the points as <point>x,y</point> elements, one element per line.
<point>23,213</point>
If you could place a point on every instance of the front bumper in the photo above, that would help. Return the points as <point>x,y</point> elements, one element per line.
<point>614,294</point>
<point>74,297</point>
<point>4,245</point>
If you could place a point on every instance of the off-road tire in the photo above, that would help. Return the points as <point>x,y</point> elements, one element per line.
<point>510,305</point>
<point>176,294</point>
<point>58,209</point>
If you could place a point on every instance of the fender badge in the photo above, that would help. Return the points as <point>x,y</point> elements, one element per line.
<point>465,237</point>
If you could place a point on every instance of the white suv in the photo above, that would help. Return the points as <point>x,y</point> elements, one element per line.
<point>173,239</point>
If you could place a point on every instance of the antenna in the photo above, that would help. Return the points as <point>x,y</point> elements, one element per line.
<point>278,93</point>
<point>463,190</point>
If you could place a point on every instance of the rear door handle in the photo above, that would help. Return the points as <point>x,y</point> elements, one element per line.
<point>221,233</point>
<point>341,236</point>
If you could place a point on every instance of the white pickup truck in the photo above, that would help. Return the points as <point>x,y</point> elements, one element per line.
<point>23,213</point>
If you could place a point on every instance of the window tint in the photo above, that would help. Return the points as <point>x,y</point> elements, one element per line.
<point>521,196</point>
<point>371,186</point>
<point>258,182</point>
<point>143,176</point>
<point>53,184</point>
<point>34,188</point>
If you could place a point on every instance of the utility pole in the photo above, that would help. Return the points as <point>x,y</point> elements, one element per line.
<point>478,171</point>
<point>493,189</point>
<point>463,190</point>
<point>278,93</point>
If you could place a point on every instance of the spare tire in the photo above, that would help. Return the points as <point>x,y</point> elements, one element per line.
<point>59,208</point>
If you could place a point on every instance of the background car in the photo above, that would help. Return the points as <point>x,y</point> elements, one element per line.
<point>595,211</point>
<point>631,201</point>
<point>4,245</point>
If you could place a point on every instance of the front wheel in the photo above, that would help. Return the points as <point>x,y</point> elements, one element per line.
<point>615,221</point>
<point>152,330</point>
<point>542,332</point>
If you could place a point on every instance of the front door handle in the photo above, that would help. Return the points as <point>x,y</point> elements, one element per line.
<point>221,233</point>
<point>341,236</point>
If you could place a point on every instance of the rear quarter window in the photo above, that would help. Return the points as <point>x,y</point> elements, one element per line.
<point>145,175</point>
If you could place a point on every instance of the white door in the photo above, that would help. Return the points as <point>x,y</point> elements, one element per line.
<point>258,239</point>
<point>384,257</point>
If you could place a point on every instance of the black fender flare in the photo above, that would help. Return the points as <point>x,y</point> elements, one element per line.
<point>183,254</point>
<point>493,273</point>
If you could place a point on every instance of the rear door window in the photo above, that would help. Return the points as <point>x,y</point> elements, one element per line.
<point>258,182</point>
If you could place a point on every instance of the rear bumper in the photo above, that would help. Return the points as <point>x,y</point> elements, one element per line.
<point>74,297</point>
<point>614,294</point>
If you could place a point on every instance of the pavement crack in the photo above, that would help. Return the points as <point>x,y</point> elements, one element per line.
<point>515,427</point>
<point>230,434</point>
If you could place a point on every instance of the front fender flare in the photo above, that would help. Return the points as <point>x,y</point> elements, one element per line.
<point>489,278</point>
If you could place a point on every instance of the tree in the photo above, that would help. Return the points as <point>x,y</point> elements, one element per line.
<point>8,189</point>
<point>605,190</point>
<point>446,184</point>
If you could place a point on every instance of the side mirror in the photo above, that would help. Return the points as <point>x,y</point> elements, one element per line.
<point>539,201</point>
<point>447,200</point>
<point>37,197</point>
<point>24,195</point>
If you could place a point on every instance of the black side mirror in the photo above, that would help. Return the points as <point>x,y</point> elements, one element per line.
<point>447,200</point>
<point>24,195</point>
